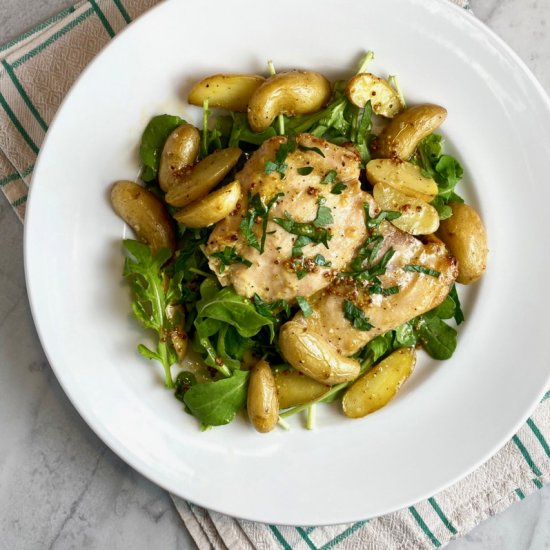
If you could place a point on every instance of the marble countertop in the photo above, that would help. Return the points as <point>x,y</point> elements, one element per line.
<point>60,486</point>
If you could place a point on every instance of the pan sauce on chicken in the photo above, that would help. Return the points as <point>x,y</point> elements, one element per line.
<point>275,273</point>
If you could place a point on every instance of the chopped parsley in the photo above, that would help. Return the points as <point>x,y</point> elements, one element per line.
<point>421,269</point>
<point>305,170</point>
<point>308,232</point>
<point>356,316</point>
<point>373,223</point>
<point>229,256</point>
<point>257,209</point>
<point>304,306</point>
<point>329,177</point>
<point>279,165</point>
<point>271,309</point>
<point>313,149</point>
<point>338,187</point>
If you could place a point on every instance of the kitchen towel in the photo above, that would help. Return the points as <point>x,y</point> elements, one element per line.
<point>37,69</point>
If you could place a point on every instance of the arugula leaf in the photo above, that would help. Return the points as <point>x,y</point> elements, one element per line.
<point>227,306</point>
<point>242,133</point>
<point>421,269</point>
<point>152,142</point>
<point>229,256</point>
<point>444,169</point>
<point>437,338</point>
<point>458,313</point>
<point>184,381</point>
<point>216,403</point>
<point>151,297</point>
<point>257,209</point>
<point>356,316</point>
<point>304,306</point>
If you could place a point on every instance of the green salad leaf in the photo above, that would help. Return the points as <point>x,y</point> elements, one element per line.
<point>152,142</point>
<point>150,299</point>
<point>216,403</point>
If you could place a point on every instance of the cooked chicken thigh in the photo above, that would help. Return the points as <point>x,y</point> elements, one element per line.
<point>277,273</point>
<point>416,278</point>
<point>417,292</point>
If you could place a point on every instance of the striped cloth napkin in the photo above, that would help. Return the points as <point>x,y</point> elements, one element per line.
<point>36,71</point>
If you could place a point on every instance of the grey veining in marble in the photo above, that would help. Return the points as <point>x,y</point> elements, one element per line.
<point>60,487</point>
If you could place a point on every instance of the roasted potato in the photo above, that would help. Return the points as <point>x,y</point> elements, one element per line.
<point>295,388</point>
<point>403,133</point>
<point>145,214</point>
<point>379,385</point>
<point>180,151</point>
<point>417,216</point>
<point>291,93</point>
<point>212,208</point>
<point>226,91</point>
<point>465,236</point>
<point>404,176</point>
<point>312,355</point>
<point>262,403</point>
<point>203,177</point>
<point>384,99</point>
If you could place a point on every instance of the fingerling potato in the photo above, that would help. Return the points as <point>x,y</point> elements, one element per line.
<point>465,236</point>
<point>404,176</point>
<point>291,93</point>
<point>180,151</point>
<point>384,99</point>
<point>145,214</point>
<point>379,385</point>
<point>262,403</point>
<point>404,131</point>
<point>295,388</point>
<point>212,208</point>
<point>312,355</point>
<point>226,91</point>
<point>417,216</point>
<point>203,177</point>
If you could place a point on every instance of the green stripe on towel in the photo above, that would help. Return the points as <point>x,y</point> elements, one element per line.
<point>24,96</point>
<point>18,125</point>
<point>424,527</point>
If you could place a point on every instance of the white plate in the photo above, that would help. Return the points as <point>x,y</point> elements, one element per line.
<point>451,416</point>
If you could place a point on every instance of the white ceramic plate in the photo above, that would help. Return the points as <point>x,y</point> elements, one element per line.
<point>451,416</point>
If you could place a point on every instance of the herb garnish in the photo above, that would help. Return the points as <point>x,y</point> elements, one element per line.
<point>338,187</point>
<point>314,149</point>
<point>257,209</point>
<point>279,165</point>
<point>305,170</point>
<point>230,256</point>
<point>329,177</point>
<point>356,316</point>
<point>421,269</point>
<point>308,232</point>
<point>304,306</point>
<point>271,309</point>
<point>373,223</point>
